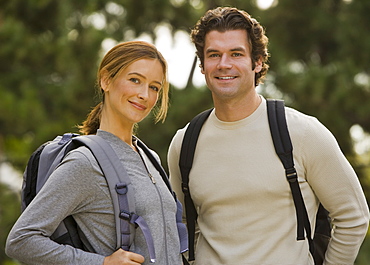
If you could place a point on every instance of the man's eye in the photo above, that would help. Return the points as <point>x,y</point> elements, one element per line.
<point>237,54</point>
<point>214,55</point>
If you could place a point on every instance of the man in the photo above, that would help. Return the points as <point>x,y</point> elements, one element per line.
<point>246,213</point>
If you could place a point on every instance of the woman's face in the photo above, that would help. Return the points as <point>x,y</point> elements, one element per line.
<point>130,97</point>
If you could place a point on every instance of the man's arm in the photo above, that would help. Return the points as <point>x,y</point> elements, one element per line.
<point>335,183</point>
<point>173,166</point>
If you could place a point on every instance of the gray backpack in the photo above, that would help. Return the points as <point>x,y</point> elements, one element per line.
<point>49,155</point>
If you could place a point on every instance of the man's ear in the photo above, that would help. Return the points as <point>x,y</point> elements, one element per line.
<point>258,66</point>
<point>201,68</point>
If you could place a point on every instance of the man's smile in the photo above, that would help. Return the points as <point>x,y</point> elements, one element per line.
<point>225,77</point>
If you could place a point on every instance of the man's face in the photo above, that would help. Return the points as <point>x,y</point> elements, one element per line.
<point>228,65</point>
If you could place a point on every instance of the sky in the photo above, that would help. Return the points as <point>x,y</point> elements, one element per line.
<point>179,53</point>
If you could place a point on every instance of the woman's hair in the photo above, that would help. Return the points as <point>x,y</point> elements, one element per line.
<point>113,63</point>
<point>228,18</point>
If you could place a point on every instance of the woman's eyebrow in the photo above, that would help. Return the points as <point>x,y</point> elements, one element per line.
<point>144,77</point>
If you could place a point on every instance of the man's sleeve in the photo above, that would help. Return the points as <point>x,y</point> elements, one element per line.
<point>336,185</point>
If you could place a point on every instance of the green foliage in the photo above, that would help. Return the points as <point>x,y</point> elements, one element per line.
<point>50,51</point>
<point>318,51</point>
<point>363,257</point>
<point>9,211</point>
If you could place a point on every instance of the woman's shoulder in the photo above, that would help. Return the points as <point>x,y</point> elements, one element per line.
<point>80,161</point>
<point>81,155</point>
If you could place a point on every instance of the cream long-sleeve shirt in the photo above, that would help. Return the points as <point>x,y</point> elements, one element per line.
<point>246,211</point>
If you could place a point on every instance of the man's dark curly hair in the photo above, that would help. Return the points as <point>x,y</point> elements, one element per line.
<point>228,18</point>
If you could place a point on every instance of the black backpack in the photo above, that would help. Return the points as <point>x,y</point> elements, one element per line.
<point>283,148</point>
<point>49,155</point>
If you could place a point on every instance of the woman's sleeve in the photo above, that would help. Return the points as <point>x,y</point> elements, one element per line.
<point>65,193</point>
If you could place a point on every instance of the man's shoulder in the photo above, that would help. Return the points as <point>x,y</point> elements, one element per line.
<point>179,135</point>
<point>294,116</point>
<point>306,126</point>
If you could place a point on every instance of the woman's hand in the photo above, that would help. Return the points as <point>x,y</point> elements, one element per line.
<point>122,257</point>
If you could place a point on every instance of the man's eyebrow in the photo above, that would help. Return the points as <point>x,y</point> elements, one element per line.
<point>236,49</point>
<point>211,50</point>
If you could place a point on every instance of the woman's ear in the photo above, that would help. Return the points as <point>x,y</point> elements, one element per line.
<point>105,81</point>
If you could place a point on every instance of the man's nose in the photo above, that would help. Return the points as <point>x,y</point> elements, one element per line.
<point>224,62</point>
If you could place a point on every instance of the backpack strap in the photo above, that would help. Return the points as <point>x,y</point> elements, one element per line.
<point>186,162</point>
<point>284,149</point>
<point>155,163</point>
<point>122,196</point>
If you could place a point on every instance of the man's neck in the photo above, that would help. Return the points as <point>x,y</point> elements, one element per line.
<point>236,110</point>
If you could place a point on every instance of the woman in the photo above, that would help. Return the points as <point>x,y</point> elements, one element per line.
<point>131,78</point>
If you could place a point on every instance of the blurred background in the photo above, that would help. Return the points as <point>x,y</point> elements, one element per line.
<point>50,51</point>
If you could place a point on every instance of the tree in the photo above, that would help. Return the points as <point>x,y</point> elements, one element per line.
<point>9,211</point>
<point>50,52</point>
<point>51,49</point>
<point>320,65</point>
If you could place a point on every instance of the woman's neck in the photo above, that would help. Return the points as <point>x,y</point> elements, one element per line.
<point>123,133</point>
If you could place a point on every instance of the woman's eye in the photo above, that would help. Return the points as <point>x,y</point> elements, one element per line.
<point>134,80</point>
<point>155,88</point>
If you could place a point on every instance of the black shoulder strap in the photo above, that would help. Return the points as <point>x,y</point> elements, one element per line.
<point>190,141</point>
<point>284,149</point>
<point>186,162</point>
<point>155,163</point>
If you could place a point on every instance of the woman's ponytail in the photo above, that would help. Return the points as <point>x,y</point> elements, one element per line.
<point>92,122</point>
